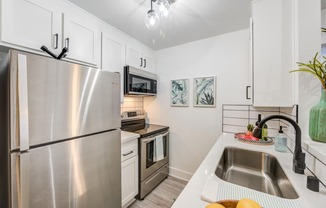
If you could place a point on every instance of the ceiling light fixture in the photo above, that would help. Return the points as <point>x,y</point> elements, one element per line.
<point>163,6</point>
<point>152,19</point>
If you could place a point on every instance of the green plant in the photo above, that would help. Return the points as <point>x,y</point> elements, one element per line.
<point>250,127</point>
<point>208,98</point>
<point>316,68</point>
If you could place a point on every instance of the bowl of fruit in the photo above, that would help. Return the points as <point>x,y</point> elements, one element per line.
<point>243,203</point>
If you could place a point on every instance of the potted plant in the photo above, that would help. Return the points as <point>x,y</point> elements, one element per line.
<point>317,117</point>
<point>250,129</point>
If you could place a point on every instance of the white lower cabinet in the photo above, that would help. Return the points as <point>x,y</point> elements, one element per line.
<point>129,172</point>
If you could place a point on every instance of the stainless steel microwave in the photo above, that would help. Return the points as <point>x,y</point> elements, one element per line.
<point>139,82</point>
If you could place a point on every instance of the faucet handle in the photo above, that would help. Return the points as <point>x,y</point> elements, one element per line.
<point>299,163</point>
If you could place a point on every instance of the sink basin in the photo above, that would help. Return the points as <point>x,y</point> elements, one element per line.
<point>255,170</point>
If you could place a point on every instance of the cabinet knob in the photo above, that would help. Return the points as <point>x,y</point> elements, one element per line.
<point>144,63</point>
<point>141,62</point>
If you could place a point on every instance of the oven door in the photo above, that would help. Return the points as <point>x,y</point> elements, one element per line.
<point>148,165</point>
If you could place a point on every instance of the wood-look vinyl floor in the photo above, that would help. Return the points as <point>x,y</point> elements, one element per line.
<point>163,196</point>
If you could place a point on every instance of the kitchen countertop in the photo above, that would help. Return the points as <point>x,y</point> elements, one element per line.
<point>128,136</point>
<point>205,182</point>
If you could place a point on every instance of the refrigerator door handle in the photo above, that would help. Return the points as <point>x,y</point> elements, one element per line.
<point>24,186</point>
<point>23,103</point>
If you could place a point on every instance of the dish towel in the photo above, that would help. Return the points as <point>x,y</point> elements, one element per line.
<point>209,191</point>
<point>159,148</point>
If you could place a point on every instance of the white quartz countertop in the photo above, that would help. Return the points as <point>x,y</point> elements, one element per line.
<point>128,136</point>
<point>205,182</point>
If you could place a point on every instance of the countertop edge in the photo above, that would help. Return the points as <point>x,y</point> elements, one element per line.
<point>190,196</point>
<point>128,136</point>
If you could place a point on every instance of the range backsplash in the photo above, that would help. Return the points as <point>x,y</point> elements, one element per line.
<point>132,103</point>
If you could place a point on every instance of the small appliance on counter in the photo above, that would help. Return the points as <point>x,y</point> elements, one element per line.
<point>153,146</point>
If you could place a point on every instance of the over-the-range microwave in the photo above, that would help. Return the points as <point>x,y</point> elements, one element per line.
<point>139,82</point>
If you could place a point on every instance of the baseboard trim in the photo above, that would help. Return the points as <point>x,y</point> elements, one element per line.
<point>177,173</point>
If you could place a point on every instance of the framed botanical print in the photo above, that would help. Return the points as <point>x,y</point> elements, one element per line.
<point>204,91</point>
<point>180,92</point>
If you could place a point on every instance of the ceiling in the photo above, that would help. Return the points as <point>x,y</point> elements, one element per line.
<point>191,19</point>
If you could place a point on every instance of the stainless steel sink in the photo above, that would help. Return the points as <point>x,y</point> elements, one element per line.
<point>255,170</point>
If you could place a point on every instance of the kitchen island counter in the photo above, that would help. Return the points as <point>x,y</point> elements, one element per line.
<point>205,186</point>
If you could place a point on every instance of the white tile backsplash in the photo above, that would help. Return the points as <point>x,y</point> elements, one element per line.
<point>132,103</point>
<point>235,114</point>
<point>320,171</point>
<point>310,161</point>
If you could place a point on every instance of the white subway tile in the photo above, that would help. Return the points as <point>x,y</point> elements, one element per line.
<point>232,129</point>
<point>236,107</point>
<point>235,121</point>
<point>235,114</point>
<point>320,171</point>
<point>310,161</point>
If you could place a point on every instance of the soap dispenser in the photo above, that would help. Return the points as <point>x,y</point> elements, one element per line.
<point>281,141</point>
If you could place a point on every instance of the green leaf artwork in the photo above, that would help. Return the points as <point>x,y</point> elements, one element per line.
<point>204,92</point>
<point>180,92</point>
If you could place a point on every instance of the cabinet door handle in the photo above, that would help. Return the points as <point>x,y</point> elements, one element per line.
<point>128,153</point>
<point>141,62</point>
<point>67,43</point>
<point>144,63</point>
<point>23,103</point>
<point>247,92</point>
<point>56,38</point>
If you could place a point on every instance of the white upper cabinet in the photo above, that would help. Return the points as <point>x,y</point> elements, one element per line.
<point>273,52</point>
<point>140,57</point>
<point>149,61</point>
<point>114,55</point>
<point>113,52</point>
<point>134,56</point>
<point>82,37</point>
<point>31,24</point>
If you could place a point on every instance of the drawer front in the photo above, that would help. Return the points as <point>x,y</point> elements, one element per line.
<point>129,150</point>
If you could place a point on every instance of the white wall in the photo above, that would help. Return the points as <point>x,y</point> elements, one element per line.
<point>309,41</point>
<point>323,24</point>
<point>194,130</point>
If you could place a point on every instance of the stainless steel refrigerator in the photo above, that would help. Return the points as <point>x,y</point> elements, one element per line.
<point>59,134</point>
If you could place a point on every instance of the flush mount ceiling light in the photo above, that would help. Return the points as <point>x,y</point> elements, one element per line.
<point>152,19</point>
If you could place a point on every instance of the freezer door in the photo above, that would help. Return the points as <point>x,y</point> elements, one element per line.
<point>53,100</point>
<point>80,173</point>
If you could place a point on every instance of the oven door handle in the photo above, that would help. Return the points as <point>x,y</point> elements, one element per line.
<point>145,141</point>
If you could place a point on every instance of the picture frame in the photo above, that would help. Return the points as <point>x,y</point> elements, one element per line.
<point>180,92</point>
<point>204,91</point>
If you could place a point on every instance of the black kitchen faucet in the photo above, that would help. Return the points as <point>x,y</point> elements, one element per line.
<point>298,156</point>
